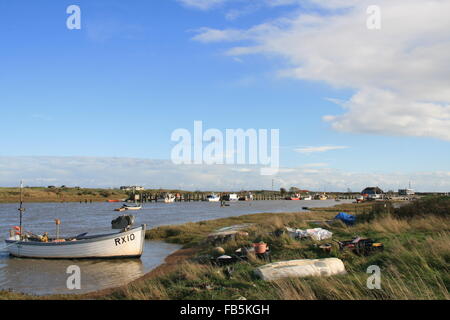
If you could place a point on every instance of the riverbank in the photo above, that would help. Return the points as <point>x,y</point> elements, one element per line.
<point>414,263</point>
<point>41,194</point>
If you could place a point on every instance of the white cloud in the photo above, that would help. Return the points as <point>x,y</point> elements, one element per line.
<point>309,150</point>
<point>202,4</point>
<point>114,172</point>
<point>399,73</point>
<point>315,165</point>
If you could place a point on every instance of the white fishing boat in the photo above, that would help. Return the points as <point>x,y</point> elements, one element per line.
<point>307,198</point>
<point>127,243</point>
<point>169,198</point>
<point>124,244</point>
<point>233,197</point>
<point>213,198</point>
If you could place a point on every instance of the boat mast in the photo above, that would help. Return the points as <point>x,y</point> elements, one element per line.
<point>21,209</point>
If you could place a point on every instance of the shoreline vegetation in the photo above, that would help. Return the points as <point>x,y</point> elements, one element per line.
<point>61,194</point>
<point>76,194</point>
<point>414,265</point>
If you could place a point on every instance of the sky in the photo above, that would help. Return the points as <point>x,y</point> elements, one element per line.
<point>97,106</point>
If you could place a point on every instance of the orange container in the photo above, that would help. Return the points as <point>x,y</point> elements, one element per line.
<point>260,248</point>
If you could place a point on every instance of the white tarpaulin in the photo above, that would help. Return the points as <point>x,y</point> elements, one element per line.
<point>316,234</point>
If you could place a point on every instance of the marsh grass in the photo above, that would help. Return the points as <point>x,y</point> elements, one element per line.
<point>40,194</point>
<point>414,264</point>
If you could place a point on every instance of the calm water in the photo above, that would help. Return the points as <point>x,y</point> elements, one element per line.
<point>49,277</point>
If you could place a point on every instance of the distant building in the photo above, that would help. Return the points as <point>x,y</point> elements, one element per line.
<point>131,188</point>
<point>406,192</point>
<point>372,193</point>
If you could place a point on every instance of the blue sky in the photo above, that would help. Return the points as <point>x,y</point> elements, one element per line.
<point>136,71</point>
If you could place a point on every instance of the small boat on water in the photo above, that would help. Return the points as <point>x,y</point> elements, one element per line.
<point>127,243</point>
<point>322,197</point>
<point>233,197</point>
<point>213,198</point>
<point>169,198</point>
<point>127,207</point>
<point>307,198</point>
<point>247,197</point>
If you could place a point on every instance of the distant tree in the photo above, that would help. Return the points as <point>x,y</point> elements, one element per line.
<point>283,191</point>
<point>293,189</point>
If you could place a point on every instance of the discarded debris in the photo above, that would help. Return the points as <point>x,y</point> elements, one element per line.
<point>219,251</point>
<point>361,246</point>
<point>235,227</point>
<point>225,236</point>
<point>317,234</point>
<point>301,268</point>
<point>346,218</point>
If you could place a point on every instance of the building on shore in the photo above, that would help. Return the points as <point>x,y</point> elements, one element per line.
<point>406,192</point>
<point>132,188</point>
<point>372,193</point>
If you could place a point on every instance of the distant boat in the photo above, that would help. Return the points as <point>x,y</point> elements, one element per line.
<point>213,198</point>
<point>295,197</point>
<point>231,197</point>
<point>169,198</point>
<point>126,207</point>
<point>320,197</point>
<point>307,198</point>
<point>133,207</point>
<point>246,197</point>
<point>111,201</point>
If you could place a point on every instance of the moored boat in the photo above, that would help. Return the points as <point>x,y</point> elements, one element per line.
<point>213,198</point>
<point>126,207</point>
<point>125,244</point>
<point>169,198</point>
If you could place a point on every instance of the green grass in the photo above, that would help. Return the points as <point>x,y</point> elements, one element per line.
<point>40,194</point>
<point>415,263</point>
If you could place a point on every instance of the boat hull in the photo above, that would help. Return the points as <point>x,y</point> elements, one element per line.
<point>128,244</point>
<point>133,208</point>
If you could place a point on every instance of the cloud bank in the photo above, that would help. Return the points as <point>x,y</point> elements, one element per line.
<point>114,172</point>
